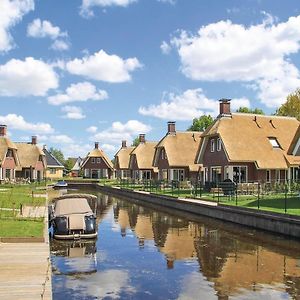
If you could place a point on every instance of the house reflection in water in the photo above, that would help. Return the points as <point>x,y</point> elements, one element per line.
<point>234,264</point>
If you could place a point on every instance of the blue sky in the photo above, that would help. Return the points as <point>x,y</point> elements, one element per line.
<point>75,72</point>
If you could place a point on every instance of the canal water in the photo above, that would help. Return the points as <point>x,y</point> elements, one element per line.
<point>153,253</point>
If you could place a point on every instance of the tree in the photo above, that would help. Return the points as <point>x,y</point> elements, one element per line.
<point>135,142</point>
<point>58,155</point>
<point>69,164</point>
<point>246,110</point>
<point>291,107</point>
<point>200,124</point>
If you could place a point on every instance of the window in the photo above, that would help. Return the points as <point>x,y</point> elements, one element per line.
<point>9,153</point>
<point>219,144</point>
<point>52,171</point>
<point>178,174</point>
<point>216,174</point>
<point>146,175</point>
<point>240,174</point>
<point>163,153</point>
<point>277,175</point>
<point>98,160</point>
<point>212,145</point>
<point>93,160</point>
<point>274,142</point>
<point>268,176</point>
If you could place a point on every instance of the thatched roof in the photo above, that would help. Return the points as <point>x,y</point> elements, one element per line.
<point>29,154</point>
<point>181,149</point>
<point>5,144</point>
<point>144,154</point>
<point>122,158</point>
<point>245,138</point>
<point>98,153</point>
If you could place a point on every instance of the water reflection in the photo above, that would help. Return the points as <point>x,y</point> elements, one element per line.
<point>147,253</point>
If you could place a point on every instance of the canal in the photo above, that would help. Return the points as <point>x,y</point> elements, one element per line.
<point>147,252</point>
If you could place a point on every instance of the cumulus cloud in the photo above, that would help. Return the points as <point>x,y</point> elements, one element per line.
<point>27,77</point>
<point>11,13</point>
<point>258,54</point>
<point>190,104</point>
<point>87,5</point>
<point>92,129</point>
<point>104,67</point>
<point>79,92</point>
<point>56,139</point>
<point>121,131</point>
<point>18,122</point>
<point>165,47</point>
<point>73,112</point>
<point>43,29</point>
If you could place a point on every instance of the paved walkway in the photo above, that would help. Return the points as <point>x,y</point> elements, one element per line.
<point>33,212</point>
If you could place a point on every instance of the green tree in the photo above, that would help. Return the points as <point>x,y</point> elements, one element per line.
<point>135,142</point>
<point>256,111</point>
<point>291,107</point>
<point>69,163</point>
<point>200,124</point>
<point>58,155</point>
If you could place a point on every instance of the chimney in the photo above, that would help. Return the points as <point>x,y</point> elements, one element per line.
<point>34,140</point>
<point>142,138</point>
<point>3,130</point>
<point>44,147</point>
<point>225,107</point>
<point>171,128</point>
<point>96,145</point>
<point>124,144</point>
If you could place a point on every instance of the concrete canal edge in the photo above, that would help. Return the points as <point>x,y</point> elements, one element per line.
<point>284,224</point>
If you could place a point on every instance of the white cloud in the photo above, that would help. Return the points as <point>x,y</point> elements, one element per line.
<point>168,1</point>
<point>11,13</point>
<point>104,67</point>
<point>165,47</point>
<point>121,131</point>
<point>108,148</point>
<point>28,77</point>
<point>92,129</point>
<point>73,112</point>
<point>188,105</point>
<point>79,92</point>
<point>44,29</point>
<point>60,45</point>
<point>56,139</point>
<point>87,5</point>
<point>18,122</point>
<point>257,54</point>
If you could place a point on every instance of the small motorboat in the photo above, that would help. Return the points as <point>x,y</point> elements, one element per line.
<point>61,184</point>
<point>71,217</point>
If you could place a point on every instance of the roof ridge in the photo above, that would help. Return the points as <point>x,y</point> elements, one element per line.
<point>263,116</point>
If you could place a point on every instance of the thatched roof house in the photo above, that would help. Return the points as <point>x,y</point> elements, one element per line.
<point>121,163</point>
<point>175,154</point>
<point>54,167</point>
<point>141,159</point>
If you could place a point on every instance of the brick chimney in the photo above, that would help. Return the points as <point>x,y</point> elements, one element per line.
<point>225,107</point>
<point>96,145</point>
<point>171,127</point>
<point>3,130</point>
<point>34,140</point>
<point>124,144</point>
<point>142,138</point>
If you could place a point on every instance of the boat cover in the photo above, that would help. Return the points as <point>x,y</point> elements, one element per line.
<point>72,206</point>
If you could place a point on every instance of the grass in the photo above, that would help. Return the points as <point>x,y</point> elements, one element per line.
<point>13,196</point>
<point>21,228</point>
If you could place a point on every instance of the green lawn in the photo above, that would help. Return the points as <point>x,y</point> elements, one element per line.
<point>15,195</point>
<point>21,228</point>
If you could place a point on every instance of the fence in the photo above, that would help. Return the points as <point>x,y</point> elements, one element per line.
<point>283,197</point>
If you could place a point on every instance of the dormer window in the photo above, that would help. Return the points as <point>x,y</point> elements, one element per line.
<point>274,142</point>
<point>163,154</point>
<point>9,153</point>
<point>212,145</point>
<point>219,144</point>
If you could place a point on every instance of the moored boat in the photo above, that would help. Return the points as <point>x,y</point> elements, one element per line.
<point>60,184</point>
<point>72,217</point>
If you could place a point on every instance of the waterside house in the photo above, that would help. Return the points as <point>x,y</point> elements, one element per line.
<point>249,148</point>
<point>32,161</point>
<point>97,165</point>
<point>175,155</point>
<point>54,168</point>
<point>9,160</point>
<point>76,167</point>
<point>141,159</point>
<point>121,163</point>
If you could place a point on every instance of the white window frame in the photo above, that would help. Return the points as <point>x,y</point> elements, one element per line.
<point>277,175</point>
<point>268,180</point>
<point>240,166</point>
<point>93,160</point>
<point>274,142</point>
<point>98,160</point>
<point>219,144</point>
<point>215,167</point>
<point>212,145</point>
